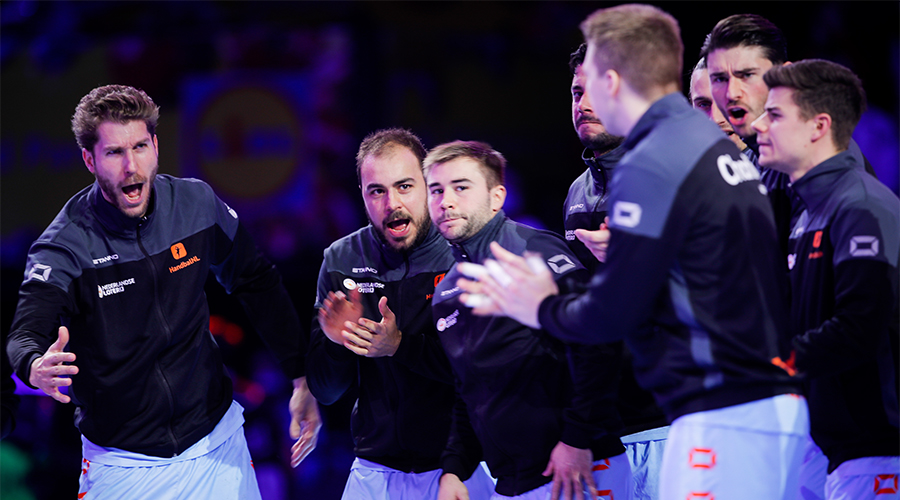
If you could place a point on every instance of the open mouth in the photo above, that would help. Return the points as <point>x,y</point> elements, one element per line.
<point>398,227</point>
<point>737,114</point>
<point>133,192</point>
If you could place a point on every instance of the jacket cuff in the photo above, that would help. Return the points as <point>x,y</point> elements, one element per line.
<point>454,465</point>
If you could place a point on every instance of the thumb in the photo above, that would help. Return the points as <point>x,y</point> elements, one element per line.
<point>549,470</point>
<point>294,428</point>
<point>61,342</point>
<point>584,235</point>
<point>386,312</point>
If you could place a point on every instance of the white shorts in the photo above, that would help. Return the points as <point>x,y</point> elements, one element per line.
<point>749,451</point>
<point>870,478</point>
<point>645,453</point>
<point>813,471</point>
<point>218,467</point>
<point>371,481</point>
<point>611,475</point>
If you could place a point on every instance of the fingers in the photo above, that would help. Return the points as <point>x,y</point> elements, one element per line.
<point>304,446</point>
<point>510,260</point>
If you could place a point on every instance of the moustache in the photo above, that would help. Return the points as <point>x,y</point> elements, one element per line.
<point>450,215</point>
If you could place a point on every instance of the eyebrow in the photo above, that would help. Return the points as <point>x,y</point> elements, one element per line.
<point>454,181</point>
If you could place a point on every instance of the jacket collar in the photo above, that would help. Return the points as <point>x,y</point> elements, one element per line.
<point>668,105</point>
<point>394,258</point>
<point>601,167</point>
<point>817,185</point>
<point>113,220</point>
<point>477,248</point>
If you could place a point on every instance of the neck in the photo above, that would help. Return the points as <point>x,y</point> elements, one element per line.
<point>635,105</point>
<point>816,158</point>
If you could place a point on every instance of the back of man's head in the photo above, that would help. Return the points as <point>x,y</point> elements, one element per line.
<point>640,42</point>
<point>747,30</point>
<point>823,87</point>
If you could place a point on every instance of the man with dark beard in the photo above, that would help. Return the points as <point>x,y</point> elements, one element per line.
<point>644,434</point>
<point>374,330</point>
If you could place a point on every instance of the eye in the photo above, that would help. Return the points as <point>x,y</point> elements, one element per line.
<point>435,191</point>
<point>405,187</point>
<point>114,152</point>
<point>461,188</point>
<point>576,95</point>
<point>376,192</point>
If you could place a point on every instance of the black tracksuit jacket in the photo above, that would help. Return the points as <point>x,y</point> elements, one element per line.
<point>517,397</point>
<point>844,249</point>
<point>151,378</point>
<point>402,416</point>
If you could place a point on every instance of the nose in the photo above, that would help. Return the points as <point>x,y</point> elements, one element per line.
<point>393,200</point>
<point>761,124</point>
<point>447,200</point>
<point>128,164</point>
<point>734,90</point>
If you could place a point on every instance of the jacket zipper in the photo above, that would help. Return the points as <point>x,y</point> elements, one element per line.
<point>168,333</point>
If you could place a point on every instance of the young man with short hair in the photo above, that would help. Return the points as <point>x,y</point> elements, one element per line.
<point>519,404</point>
<point>692,281</point>
<point>843,270</point>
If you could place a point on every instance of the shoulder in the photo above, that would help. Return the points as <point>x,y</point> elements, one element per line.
<point>355,244</point>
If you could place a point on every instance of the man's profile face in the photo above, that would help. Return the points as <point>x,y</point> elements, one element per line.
<point>459,200</point>
<point>784,136</point>
<point>595,89</point>
<point>124,161</point>
<point>590,130</point>
<point>701,99</point>
<point>393,190</point>
<point>737,85</point>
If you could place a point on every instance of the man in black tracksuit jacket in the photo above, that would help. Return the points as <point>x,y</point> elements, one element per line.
<point>844,250</point>
<point>517,398</point>
<point>691,280</point>
<point>123,268</point>
<point>402,415</point>
<point>381,279</point>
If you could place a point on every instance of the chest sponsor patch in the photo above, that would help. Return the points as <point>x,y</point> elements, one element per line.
<point>570,235</point>
<point>864,246</point>
<point>104,260</point>
<point>368,287</point>
<point>736,171</point>
<point>444,323</point>
<point>792,259</point>
<point>113,288</point>
<point>366,269</point>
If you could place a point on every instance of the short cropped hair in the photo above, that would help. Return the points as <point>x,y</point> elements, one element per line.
<point>576,58</point>
<point>493,164</point>
<point>640,42</point>
<point>747,30</point>
<point>380,142</point>
<point>823,87</point>
<point>111,103</point>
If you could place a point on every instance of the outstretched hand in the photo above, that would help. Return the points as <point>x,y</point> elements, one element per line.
<point>49,373</point>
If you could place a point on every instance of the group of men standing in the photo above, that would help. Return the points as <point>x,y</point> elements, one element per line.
<point>740,286</point>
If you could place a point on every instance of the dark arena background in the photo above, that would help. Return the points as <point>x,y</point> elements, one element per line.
<point>268,101</point>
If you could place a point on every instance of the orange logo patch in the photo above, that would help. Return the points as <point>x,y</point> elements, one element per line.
<point>178,251</point>
<point>438,279</point>
<point>605,495</point>
<point>817,239</point>
<point>704,496</point>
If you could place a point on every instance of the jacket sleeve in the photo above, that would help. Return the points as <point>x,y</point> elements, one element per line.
<point>865,299</point>
<point>44,301</point>
<point>331,368</point>
<point>463,452</point>
<point>253,280</point>
<point>613,306</point>
<point>646,230</point>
